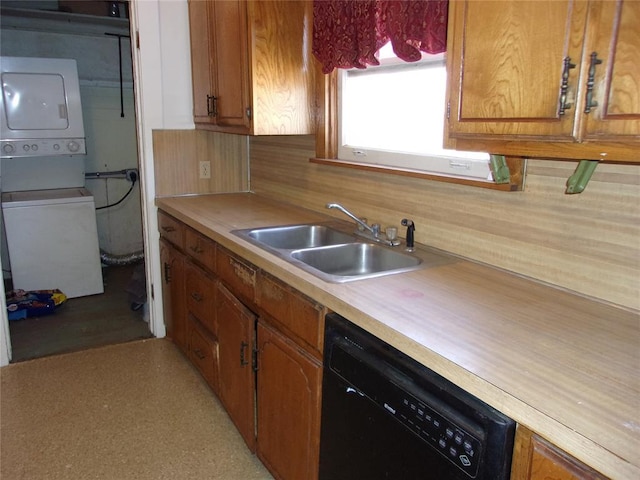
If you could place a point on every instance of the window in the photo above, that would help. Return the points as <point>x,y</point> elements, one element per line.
<point>393,115</point>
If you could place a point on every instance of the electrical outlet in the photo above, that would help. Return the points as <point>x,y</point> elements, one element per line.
<point>205,169</point>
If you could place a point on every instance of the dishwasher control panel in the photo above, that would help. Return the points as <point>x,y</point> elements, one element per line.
<point>450,439</point>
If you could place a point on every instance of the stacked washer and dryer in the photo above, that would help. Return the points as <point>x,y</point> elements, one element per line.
<point>49,216</point>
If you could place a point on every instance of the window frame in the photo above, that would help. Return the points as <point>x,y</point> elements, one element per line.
<point>327,144</point>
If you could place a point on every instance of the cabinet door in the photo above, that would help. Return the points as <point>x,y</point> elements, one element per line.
<point>202,80</point>
<point>173,296</point>
<point>537,459</point>
<point>289,386</point>
<point>236,328</point>
<point>615,39</point>
<point>230,63</point>
<point>506,65</point>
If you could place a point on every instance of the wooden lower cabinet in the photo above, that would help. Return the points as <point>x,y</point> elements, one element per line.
<point>173,293</point>
<point>236,332</point>
<point>203,352</point>
<point>288,406</point>
<point>536,459</point>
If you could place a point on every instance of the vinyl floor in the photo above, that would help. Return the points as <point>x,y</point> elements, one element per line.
<point>84,322</point>
<point>132,411</point>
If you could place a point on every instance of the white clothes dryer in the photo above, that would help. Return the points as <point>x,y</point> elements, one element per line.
<point>52,239</point>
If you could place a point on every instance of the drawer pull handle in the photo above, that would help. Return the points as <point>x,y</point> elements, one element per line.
<point>169,229</point>
<point>197,297</point>
<point>199,354</point>
<point>196,249</point>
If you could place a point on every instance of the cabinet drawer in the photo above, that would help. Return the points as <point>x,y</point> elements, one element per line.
<point>201,248</point>
<point>298,314</point>
<point>237,274</point>
<point>171,229</point>
<point>203,353</point>
<point>201,296</point>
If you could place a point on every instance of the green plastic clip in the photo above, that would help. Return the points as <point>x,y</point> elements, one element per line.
<point>499,169</point>
<point>578,181</point>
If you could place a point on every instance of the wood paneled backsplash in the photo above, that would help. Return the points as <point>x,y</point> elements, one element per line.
<point>177,155</point>
<point>588,243</point>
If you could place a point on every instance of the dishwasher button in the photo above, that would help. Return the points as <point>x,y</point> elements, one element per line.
<point>453,452</point>
<point>442,443</point>
<point>458,439</point>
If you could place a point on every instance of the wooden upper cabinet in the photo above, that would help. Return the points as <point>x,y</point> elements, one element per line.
<point>201,77</point>
<point>511,67</point>
<point>230,64</point>
<point>252,66</point>
<point>521,75</point>
<point>615,39</point>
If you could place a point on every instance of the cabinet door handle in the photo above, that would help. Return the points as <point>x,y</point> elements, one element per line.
<point>212,105</point>
<point>565,86</point>
<point>243,349</point>
<point>196,296</point>
<point>167,273</point>
<point>590,102</point>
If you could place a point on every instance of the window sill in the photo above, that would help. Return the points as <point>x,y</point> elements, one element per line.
<point>516,169</point>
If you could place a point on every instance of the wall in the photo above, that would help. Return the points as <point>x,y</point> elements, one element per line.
<point>588,243</point>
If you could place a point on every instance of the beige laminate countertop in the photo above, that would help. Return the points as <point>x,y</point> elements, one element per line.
<point>565,366</point>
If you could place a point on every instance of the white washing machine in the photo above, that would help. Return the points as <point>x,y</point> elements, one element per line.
<point>52,239</point>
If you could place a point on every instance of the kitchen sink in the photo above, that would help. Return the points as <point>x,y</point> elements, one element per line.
<point>340,263</point>
<point>331,254</point>
<point>294,237</point>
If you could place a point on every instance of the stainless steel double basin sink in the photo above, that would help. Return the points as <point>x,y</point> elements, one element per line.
<point>329,253</point>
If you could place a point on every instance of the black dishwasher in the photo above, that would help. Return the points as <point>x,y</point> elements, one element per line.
<point>385,416</point>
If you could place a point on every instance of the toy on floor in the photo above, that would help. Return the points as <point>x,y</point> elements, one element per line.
<point>36,303</point>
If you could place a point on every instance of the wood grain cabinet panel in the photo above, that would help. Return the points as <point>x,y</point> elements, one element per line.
<point>236,334</point>
<point>237,274</point>
<point>252,66</point>
<point>536,459</point>
<point>173,293</point>
<point>288,400</point>
<point>201,248</point>
<point>171,229</point>
<point>522,80</point>
<point>201,295</point>
<point>203,353</point>
<point>300,316</point>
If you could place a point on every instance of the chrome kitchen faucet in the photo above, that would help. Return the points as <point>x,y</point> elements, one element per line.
<point>371,232</point>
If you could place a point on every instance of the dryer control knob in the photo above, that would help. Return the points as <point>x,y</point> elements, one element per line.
<point>8,149</point>
<point>73,146</point>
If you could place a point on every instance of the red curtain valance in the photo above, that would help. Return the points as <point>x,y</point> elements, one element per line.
<point>348,33</point>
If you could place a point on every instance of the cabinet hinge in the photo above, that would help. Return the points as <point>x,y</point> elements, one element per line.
<point>254,359</point>
<point>448,110</point>
<point>249,112</point>
<point>152,295</point>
